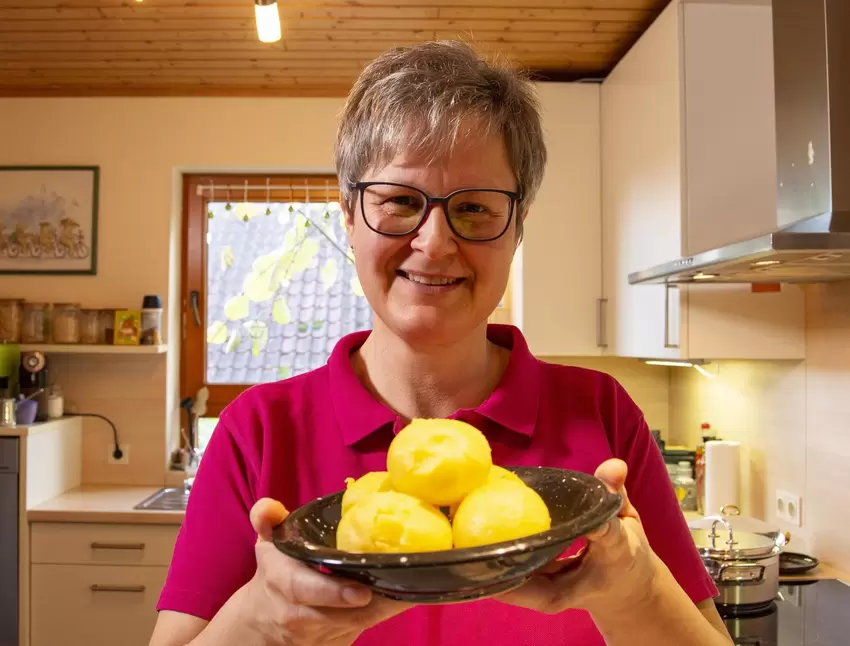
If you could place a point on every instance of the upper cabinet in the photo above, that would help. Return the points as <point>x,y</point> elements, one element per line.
<point>556,280</point>
<point>688,164</point>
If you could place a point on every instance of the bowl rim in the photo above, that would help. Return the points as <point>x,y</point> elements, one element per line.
<point>564,532</point>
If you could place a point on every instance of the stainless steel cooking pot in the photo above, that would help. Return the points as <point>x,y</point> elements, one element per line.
<point>743,564</point>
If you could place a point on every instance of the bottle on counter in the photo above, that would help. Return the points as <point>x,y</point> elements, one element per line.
<point>685,486</point>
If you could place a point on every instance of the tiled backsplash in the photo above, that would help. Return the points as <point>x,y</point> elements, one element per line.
<point>793,419</point>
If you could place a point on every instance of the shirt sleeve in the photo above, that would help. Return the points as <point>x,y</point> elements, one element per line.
<point>214,554</point>
<point>651,492</point>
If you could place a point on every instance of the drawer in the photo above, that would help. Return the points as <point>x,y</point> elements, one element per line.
<point>93,605</point>
<point>103,544</point>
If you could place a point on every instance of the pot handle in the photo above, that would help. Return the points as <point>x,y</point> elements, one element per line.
<point>713,535</point>
<point>740,573</point>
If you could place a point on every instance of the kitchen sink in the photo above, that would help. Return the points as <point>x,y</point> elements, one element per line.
<point>168,499</point>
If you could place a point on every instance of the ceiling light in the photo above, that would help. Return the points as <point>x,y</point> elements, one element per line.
<point>268,20</point>
<point>766,263</point>
<point>702,276</point>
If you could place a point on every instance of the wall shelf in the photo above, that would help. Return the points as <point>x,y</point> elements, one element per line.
<point>57,348</point>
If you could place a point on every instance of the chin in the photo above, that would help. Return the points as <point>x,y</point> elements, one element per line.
<point>420,326</point>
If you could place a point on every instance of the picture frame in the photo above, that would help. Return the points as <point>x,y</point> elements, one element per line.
<point>48,220</point>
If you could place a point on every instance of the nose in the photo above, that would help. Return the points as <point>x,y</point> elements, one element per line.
<point>435,238</point>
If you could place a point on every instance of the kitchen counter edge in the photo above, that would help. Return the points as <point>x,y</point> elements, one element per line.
<point>103,504</point>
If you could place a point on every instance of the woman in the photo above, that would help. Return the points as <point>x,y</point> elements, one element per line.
<point>432,120</point>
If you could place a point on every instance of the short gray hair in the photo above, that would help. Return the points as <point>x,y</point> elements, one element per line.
<point>422,97</point>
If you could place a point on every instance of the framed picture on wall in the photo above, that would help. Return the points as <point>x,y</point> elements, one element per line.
<point>48,219</point>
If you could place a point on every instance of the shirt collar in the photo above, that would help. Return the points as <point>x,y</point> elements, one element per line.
<point>513,405</point>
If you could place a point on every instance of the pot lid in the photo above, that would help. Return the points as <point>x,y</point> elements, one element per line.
<point>721,540</point>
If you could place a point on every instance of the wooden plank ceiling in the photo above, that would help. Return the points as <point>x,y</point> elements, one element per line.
<point>210,47</point>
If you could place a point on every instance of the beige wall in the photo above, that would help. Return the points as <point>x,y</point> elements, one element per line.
<point>142,145</point>
<point>793,419</point>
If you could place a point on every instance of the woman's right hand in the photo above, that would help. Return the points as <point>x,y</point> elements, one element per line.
<point>290,604</point>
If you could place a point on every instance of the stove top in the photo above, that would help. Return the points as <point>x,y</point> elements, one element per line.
<point>806,614</point>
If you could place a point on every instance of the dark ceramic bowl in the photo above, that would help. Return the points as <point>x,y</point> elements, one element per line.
<point>578,504</point>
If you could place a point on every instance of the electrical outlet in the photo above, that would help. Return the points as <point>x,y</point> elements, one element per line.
<point>125,458</point>
<point>788,507</point>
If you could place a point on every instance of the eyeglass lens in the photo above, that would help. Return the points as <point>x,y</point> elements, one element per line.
<point>474,214</point>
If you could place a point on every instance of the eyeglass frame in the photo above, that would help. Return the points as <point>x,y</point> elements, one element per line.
<point>515,196</point>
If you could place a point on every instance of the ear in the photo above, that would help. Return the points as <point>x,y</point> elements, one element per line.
<point>348,217</point>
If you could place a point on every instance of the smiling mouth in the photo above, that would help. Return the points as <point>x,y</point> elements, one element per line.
<point>436,281</point>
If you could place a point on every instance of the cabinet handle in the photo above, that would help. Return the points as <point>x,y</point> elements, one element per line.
<point>118,546</point>
<point>117,588</point>
<point>667,342</point>
<point>601,327</point>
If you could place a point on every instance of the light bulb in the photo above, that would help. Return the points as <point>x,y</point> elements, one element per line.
<point>268,20</point>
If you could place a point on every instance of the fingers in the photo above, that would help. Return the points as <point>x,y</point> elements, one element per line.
<point>379,609</point>
<point>266,514</point>
<point>303,586</point>
<point>613,473</point>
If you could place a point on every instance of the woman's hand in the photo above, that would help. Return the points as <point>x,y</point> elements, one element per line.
<point>290,604</point>
<point>616,574</point>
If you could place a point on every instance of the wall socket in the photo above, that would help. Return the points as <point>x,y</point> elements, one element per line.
<point>125,459</point>
<point>788,507</point>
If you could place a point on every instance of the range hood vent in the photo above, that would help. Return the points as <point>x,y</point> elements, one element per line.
<point>812,88</point>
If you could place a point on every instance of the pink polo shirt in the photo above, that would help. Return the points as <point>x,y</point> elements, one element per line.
<point>297,439</point>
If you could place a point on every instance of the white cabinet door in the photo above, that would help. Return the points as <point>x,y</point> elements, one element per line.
<point>688,164</point>
<point>102,543</point>
<point>556,277</point>
<point>642,192</point>
<point>730,125</point>
<point>94,605</point>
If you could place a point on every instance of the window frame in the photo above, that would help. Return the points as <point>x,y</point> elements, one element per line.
<point>193,352</point>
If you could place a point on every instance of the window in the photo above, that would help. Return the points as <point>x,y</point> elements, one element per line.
<point>269,284</point>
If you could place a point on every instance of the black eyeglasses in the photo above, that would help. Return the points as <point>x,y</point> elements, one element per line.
<point>475,214</point>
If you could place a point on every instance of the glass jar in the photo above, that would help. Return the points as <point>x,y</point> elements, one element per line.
<point>66,323</point>
<point>107,324</point>
<point>91,327</point>
<point>11,316</point>
<point>36,323</point>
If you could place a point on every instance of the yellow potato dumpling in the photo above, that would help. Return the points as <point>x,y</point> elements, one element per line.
<point>370,483</point>
<point>496,473</point>
<point>439,460</point>
<point>501,510</point>
<point>500,473</point>
<point>390,521</point>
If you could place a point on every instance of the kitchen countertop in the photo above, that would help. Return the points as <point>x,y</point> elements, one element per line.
<point>21,430</point>
<point>103,504</point>
<point>820,573</point>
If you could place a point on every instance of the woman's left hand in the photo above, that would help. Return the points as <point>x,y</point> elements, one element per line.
<point>617,573</point>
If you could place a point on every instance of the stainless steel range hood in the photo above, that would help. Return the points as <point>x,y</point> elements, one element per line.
<point>812,89</point>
